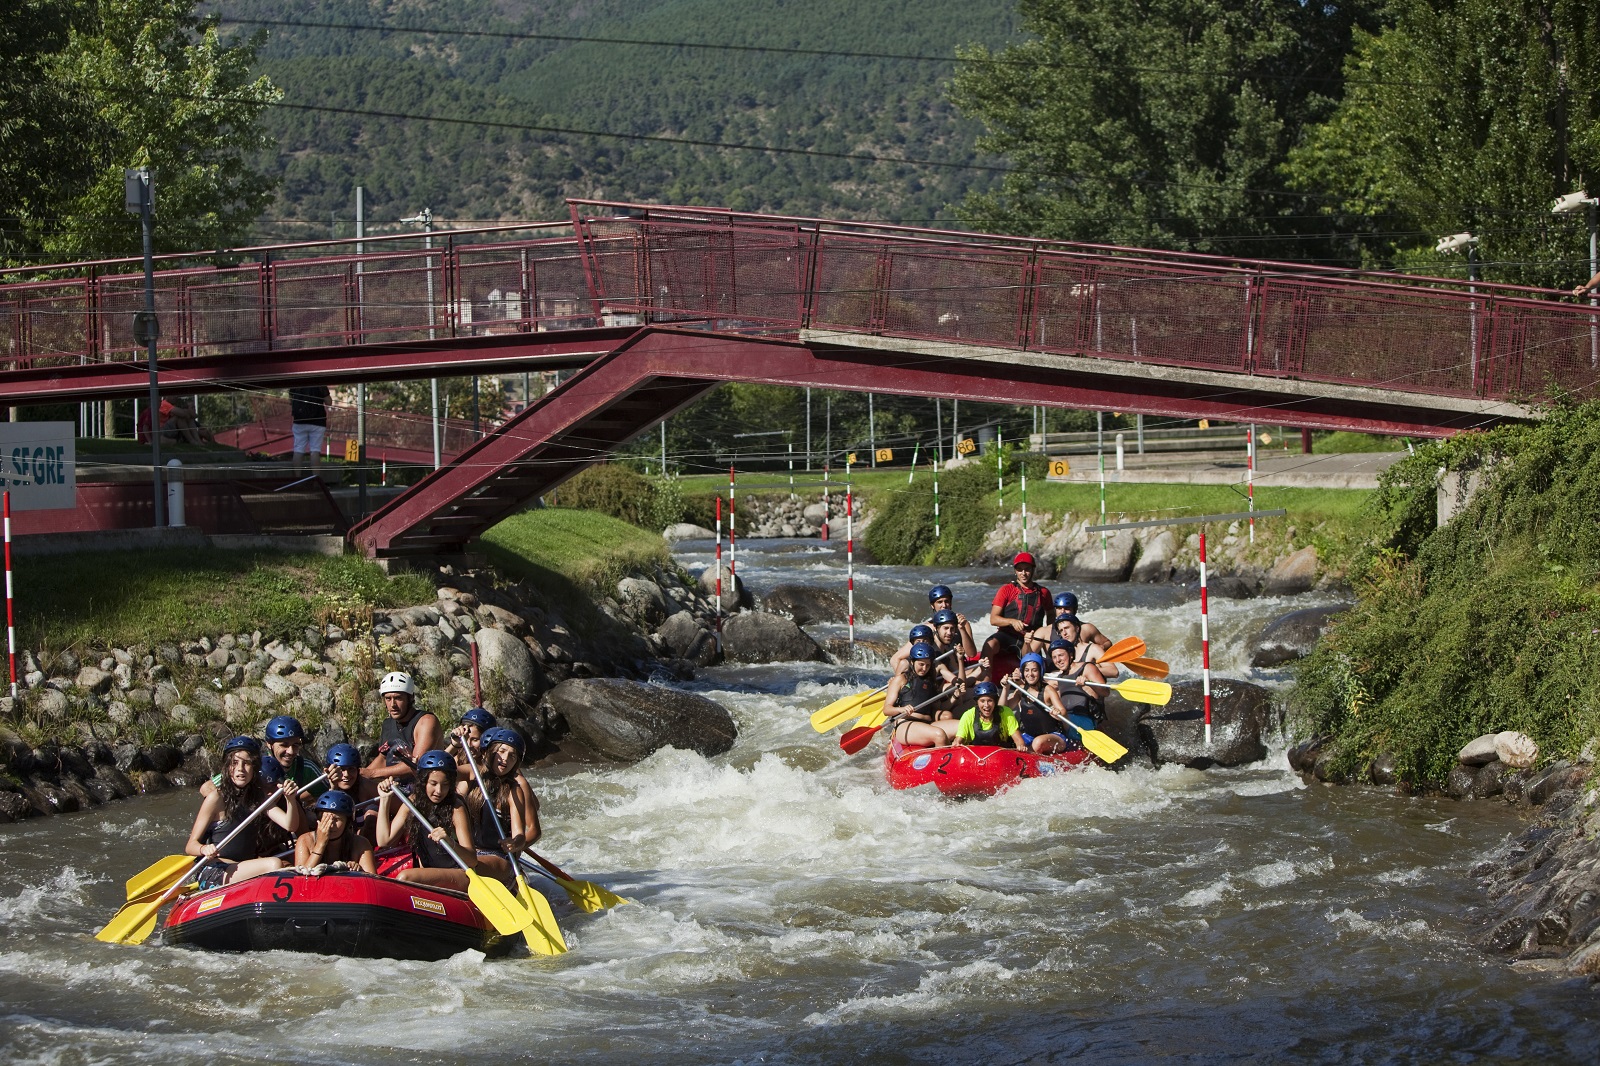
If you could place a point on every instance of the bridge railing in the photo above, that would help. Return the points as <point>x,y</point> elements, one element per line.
<point>1432,336</point>
<point>464,287</point>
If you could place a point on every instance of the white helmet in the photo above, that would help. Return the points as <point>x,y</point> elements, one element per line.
<point>397,682</point>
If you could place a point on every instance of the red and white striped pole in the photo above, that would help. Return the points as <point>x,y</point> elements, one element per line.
<point>850,550</point>
<point>733,562</point>
<point>1250,477</point>
<point>825,511</point>
<point>11,618</point>
<point>719,567</point>
<point>1205,638</point>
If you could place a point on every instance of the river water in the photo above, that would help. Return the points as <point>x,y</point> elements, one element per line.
<point>790,907</point>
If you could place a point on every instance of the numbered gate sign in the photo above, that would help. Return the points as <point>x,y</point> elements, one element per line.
<point>1060,470</point>
<point>885,455</point>
<point>37,465</point>
<point>352,450</point>
<point>966,446</point>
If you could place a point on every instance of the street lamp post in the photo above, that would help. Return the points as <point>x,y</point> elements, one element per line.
<point>139,197</point>
<point>425,218</point>
<point>1468,243</point>
<point>1565,206</point>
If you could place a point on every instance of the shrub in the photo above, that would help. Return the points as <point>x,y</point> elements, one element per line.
<point>611,489</point>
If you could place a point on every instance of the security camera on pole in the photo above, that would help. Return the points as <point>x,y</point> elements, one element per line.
<point>1566,206</point>
<point>139,197</point>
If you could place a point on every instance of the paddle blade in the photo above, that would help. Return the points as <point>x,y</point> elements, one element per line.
<point>1101,746</point>
<point>1123,650</point>
<point>505,913</point>
<point>858,738</point>
<point>1141,691</point>
<point>159,875</point>
<point>841,710</point>
<point>134,923</point>
<point>543,934</point>
<point>589,897</point>
<point>1146,667</point>
<point>872,719</point>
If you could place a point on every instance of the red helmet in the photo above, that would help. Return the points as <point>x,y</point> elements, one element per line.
<point>1022,559</point>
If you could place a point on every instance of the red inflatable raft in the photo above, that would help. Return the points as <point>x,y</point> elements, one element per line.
<point>971,771</point>
<point>350,914</point>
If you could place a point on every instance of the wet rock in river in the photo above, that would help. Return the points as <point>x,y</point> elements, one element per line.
<point>1487,781</point>
<point>1242,717</point>
<point>734,593</point>
<point>1155,558</point>
<point>1385,769</point>
<point>1294,573</point>
<point>627,720</point>
<point>805,604</point>
<point>757,637</point>
<point>686,638</point>
<point>687,531</point>
<point>1458,785</point>
<point>1292,636</point>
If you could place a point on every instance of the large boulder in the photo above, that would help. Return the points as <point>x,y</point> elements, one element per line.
<point>1478,752</point>
<point>734,594</point>
<point>687,531</point>
<point>1291,636</point>
<point>1113,565</point>
<point>502,655</point>
<point>687,639</point>
<point>644,600</point>
<point>1155,561</point>
<point>1242,717</point>
<point>805,604</point>
<point>758,637</point>
<point>627,720</point>
<point>1122,724</point>
<point>1292,574</point>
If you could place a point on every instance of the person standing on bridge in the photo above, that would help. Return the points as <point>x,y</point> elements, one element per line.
<point>308,413</point>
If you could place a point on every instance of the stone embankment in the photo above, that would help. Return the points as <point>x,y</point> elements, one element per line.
<point>111,722</point>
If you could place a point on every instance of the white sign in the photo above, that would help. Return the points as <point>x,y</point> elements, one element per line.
<point>37,465</point>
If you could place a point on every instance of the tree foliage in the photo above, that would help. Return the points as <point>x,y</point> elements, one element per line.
<point>139,83</point>
<point>1466,115</point>
<point>1158,122</point>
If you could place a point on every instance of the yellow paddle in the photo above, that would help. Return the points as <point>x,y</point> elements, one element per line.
<point>1099,744</point>
<point>1135,689</point>
<point>835,713</point>
<point>585,895</point>
<point>504,911</point>
<point>136,920</point>
<point>158,875</point>
<point>543,935</point>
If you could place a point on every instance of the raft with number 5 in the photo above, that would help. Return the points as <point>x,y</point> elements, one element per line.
<point>349,914</point>
<point>973,770</point>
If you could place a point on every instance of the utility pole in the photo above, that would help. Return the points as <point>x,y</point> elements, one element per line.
<point>139,197</point>
<point>361,389</point>
<point>425,217</point>
<point>808,429</point>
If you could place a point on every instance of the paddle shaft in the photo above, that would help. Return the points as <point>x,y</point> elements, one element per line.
<point>269,801</point>
<point>493,814</point>
<point>1084,735</point>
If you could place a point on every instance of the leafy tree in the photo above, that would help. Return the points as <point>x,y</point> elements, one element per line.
<point>1466,115</point>
<point>165,91</point>
<point>1157,122</point>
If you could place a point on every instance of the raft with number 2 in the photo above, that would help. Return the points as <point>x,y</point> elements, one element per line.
<point>973,771</point>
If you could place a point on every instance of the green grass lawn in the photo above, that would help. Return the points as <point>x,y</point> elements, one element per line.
<point>1175,501</point>
<point>122,598</point>
<point>1334,443</point>
<point>584,547</point>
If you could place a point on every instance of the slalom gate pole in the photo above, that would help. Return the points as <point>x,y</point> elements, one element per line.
<point>1100,433</point>
<point>826,474</point>
<point>915,448</point>
<point>1024,512</point>
<point>1000,467</point>
<point>11,618</point>
<point>733,561</point>
<point>477,682</point>
<point>1205,638</point>
<point>850,551</point>
<point>1250,477</point>
<point>719,568</point>
<point>936,495</point>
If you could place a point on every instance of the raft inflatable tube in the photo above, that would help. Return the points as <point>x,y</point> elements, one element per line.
<point>355,915</point>
<point>972,771</point>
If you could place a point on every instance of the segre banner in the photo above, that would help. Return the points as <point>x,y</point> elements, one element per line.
<point>37,465</point>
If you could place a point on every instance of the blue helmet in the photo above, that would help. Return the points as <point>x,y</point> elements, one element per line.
<point>478,717</point>
<point>940,592</point>
<point>250,744</point>
<point>502,735</point>
<point>285,726</point>
<point>985,688</point>
<point>1068,617</point>
<point>1066,601</point>
<point>920,633</point>
<point>921,651</point>
<point>1032,657</point>
<point>337,802</point>
<point>1059,643</point>
<point>436,760</point>
<point>945,618</point>
<point>344,756</point>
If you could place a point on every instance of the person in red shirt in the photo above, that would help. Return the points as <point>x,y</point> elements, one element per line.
<point>1020,607</point>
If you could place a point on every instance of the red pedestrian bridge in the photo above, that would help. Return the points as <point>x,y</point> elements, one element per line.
<point>655,306</point>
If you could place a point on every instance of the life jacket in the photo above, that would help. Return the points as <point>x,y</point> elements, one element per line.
<point>917,691</point>
<point>431,854</point>
<point>396,735</point>
<point>1027,605</point>
<point>1034,719</point>
<point>485,835</point>
<point>240,849</point>
<point>994,736</point>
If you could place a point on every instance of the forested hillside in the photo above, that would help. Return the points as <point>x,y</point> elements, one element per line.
<point>847,105</point>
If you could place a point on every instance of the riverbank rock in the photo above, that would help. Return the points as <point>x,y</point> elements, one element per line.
<point>1122,725</point>
<point>1242,717</point>
<point>644,601</point>
<point>688,531</point>
<point>758,637</point>
<point>1293,574</point>
<point>734,594</point>
<point>1292,636</point>
<point>685,638</point>
<point>866,650</point>
<point>1155,558</point>
<point>805,604</point>
<point>626,721</point>
<point>503,656</point>
<point>1090,565</point>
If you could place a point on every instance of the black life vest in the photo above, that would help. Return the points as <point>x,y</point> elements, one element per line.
<point>485,835</point>
<point>1029,606</point>
<point>994,736</point>
<point>240,849</point>
<point>919,690</point>
<point>400,736</point>
<point>1034,719</point>
<point>431,854</point>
